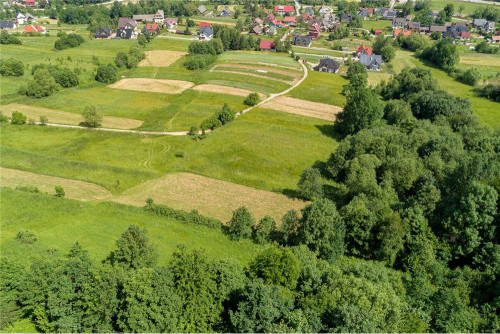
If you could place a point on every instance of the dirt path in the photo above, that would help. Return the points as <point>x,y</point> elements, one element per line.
<point>184,133</point>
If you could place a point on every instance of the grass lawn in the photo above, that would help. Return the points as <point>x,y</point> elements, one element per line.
<point>469,7</point>
<point>321,87</point>
<point>377,25</point>
<point>59,223</point>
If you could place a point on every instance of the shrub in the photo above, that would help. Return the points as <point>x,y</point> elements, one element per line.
<point>485,47</point>
<point>92,116</point>
<point>44,120</point>
<point>193,217</point>
<point>6,38</point>
<point>490,91</point>
<point>252,99</point>
<point>43,84</point>
<point>26,237</point>
<point>121,59</point>
<point>310,184</point>
<point>107,74</point>
<point>241,224</point>
<point>18,118</point>
<point>65,77</point>
<point>194,130</point>
<point>11,68</point>
<point>262,233</point>
<point>68,41</point>
<point>3,118</point>
<point>226,115</point>
<point>59,191</point>
<point>29,189</point>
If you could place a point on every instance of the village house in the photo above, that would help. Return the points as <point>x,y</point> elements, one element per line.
<point>314,31</point>
<point>204,24</point>
<point>386,13</point>
<point>424,30</point>
<point>127,23</point>
<point>159,16</point>
<point>206,33</point>
<point>301,40</point>
<point>267,45</point>
<point>103,33</point>
<point>143,18</point>
<point>256,30</point>
<point>414,27</point>
<point>371,62</point>
<point>20,18</point>
<point>306,18</point>
<point>346,18</point>
<point>441,29</point>
<point>202,10</point>
<point>324,10</point>
<point>309,11</point>
<point>270,31</point>
<point>327,65</point>
<point>34,29</point>
<point>494,39</point>
<point>277,23</point>
<point>365,12</point>
<point>152,28</point>
<point>257,21</point>
<point>270,18</point>
<point>8,25</point>
<point>488,27</point>
<point>479,23</point>
<point>398,32</point>
<point>170,22</point>
<point>290,20</point>
<point>282,10</point>
<point>363,50</point>
<point>398,23</point>
<point>226,12</point>
<point>29,3</point>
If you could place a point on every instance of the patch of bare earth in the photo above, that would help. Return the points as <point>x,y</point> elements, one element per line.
<point>79,190</point>
<point>153,85</point>
<point>64,117</point>
<point>303,107</point>
<point>161,58</point>
<point>211,197</point>
<point>225,90</point>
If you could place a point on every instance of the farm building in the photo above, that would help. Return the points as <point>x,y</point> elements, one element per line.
<point>327,65</point>
<point>143,17</point>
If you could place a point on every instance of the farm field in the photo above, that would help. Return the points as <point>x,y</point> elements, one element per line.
<point>469,7</point>
<point>321,87</point>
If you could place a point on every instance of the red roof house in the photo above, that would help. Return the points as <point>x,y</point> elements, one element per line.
<point>363,50</point>
<point>315,30</point>
<point>378,32</point>
<point>204,24</point>
<point>153,27</point>
<point>266,45</point>
<point>270,18</point>
<point>398,32</point>
<point>29,3</point>
<point>33,29</point>
<point>290,19</point>
<point>283,9</point>
<point>465,35</point>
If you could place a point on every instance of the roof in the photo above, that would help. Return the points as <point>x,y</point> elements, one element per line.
<point>123,21</point>
<point>143,17</point>
<point>283,9</point>
<point>124,33</point>
<point>414,25</point>
<point>152,26</point>
<point>204,24</point>
<point>479,22</point>
<point>290,19</point>
<point>329,63</point>
<point>302,39</point>
<point>33,28</point>
<point>258,20</point>
<point>207,31</point>
<point>278,23</point>
<point>361,48</point>
<point>103,32</point>
<point>256,29</point>
<point>160,13</point>
<point>270,17</point>
<point>369,60</point>
<point>438,28</point>
<point>403,32</point>
<point>495,38</point>
<point>7,25</point>
<point>202,9</point>
<point>399,20</point>
<point>378,32</point>
<point>266,45</point>
<point>465,34</point>
<point>315,27</point>
<point>171,20</point>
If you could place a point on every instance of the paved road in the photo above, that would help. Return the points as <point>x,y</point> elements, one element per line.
<point>181,133</point>
<point>297,7</point>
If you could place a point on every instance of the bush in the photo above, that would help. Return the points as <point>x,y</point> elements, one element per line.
<point>26,237</point>
<point>252,99</point>
<point>193,131</point>
<point>29,189</point>
<point>59,191</point>
<point>490,91</point>
<point>44,120</point>
<point>470,77</point>
<point>135,55</point>
<point>11,68</point>
<point>485,47</point>
<point>68,41</point>
<point>226,115</point>
<point>194,62</point>
<point>3,118</point>
<point>193,217</point>
<point>6,38</point>
<point>107,74</point>
<point>121,59</point>
<point>92,116</point>
<point>310,184</point>
<point>18,118</point>
<point>43,84</point>
<point>65,77</point>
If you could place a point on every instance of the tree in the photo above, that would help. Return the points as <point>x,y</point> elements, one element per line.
<point>388,53</point>
<point>11,67</point>
<point>59,191</point>
<point>134,250</point>
<point>43,120</point>
<point>356,68</point>
<point>408,82</point>
<point>362,110</point>
<point>107,74</point>
<point>263,232</point>
<point>92,116</point>
<point>65,77</point>
<point>252,99</point>
<point>322,229</point>
<point>43,84</point>
<point>6,38</point>
<point>18,118</point>
<point>142,40</point>
<point>443,53</point>
<point>240,225</point>
<point>383,46</point>
<point>430,105</point>
<point>398,112</point>
<point>310,184</point>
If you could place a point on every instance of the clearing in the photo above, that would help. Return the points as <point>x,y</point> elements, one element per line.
<point>303,107</point>
<point>161,58</point>
<point>153,85</point>
<point>225,90</point>
<point>83,191</point>
<point>212,197</point>
<point>64,117</point>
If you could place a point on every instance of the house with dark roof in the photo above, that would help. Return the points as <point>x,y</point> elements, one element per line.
<point>127,23</point>
<point>488,27</point>
<point>206,33</point>
<point>301,40</point>
<point>309,11</point>
<point>202,9</point>
<point>125,33</point>
<point>478,23</point>
<point>226,12</point>
<point>103,33</point>
<point>8,25</point>
<point>170,22</point>
<point>327,65</point>
<point>398,23</point>
<point>143,17</point>
<point>365,12</point>
<point>267,45</point>
<point>371,62</point>
<point>459,32</point>
<point>414,26</point>
<point>437,29</point>
<point>256,30</point>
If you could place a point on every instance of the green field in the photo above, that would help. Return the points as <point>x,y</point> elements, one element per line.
<point>469,7</point>
<point>59,223</point>
<point>321,87</point>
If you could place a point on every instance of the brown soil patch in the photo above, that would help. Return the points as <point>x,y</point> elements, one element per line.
<point>294,74</point>
<point>225,90</point>
<point>64,117</point>
<point>153,85</point>
<point>79,190</point>
<point>211,197</point>
<point>161,58</point>
<point>303,107</point>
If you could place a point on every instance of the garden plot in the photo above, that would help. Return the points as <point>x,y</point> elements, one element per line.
<point>303,107</point>
<point>161,58</point>
<point>153,85</point>
<point>225,90</point>
<point>64,117</point>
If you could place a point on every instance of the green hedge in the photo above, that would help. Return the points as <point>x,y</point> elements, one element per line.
<point>193,217</point>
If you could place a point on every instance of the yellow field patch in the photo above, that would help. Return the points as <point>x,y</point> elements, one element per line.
<point>225,90</point>
<point>79,190</point>
<point>153,85</point>
<point>483,60</point>
<point>303,107</point>
<point>161,58</point>
<point>211,197</point>
<point>64,117</point>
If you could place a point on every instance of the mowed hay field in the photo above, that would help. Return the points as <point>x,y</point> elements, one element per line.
<point>83,191</point>
<point>321,87</point>
<point>161,58</point>
<point>211,197</point>
<point>153,85</point>
<point>225,90</point>
<point>60,222</point>
<point>64,117</point>
<point>303,107</point>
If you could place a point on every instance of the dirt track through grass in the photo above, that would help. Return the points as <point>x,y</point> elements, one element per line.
<point>79,190</point>
<point>64,117</point>
<point>161,58</point>
<point>303,107</point>
<point>153,85</point>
